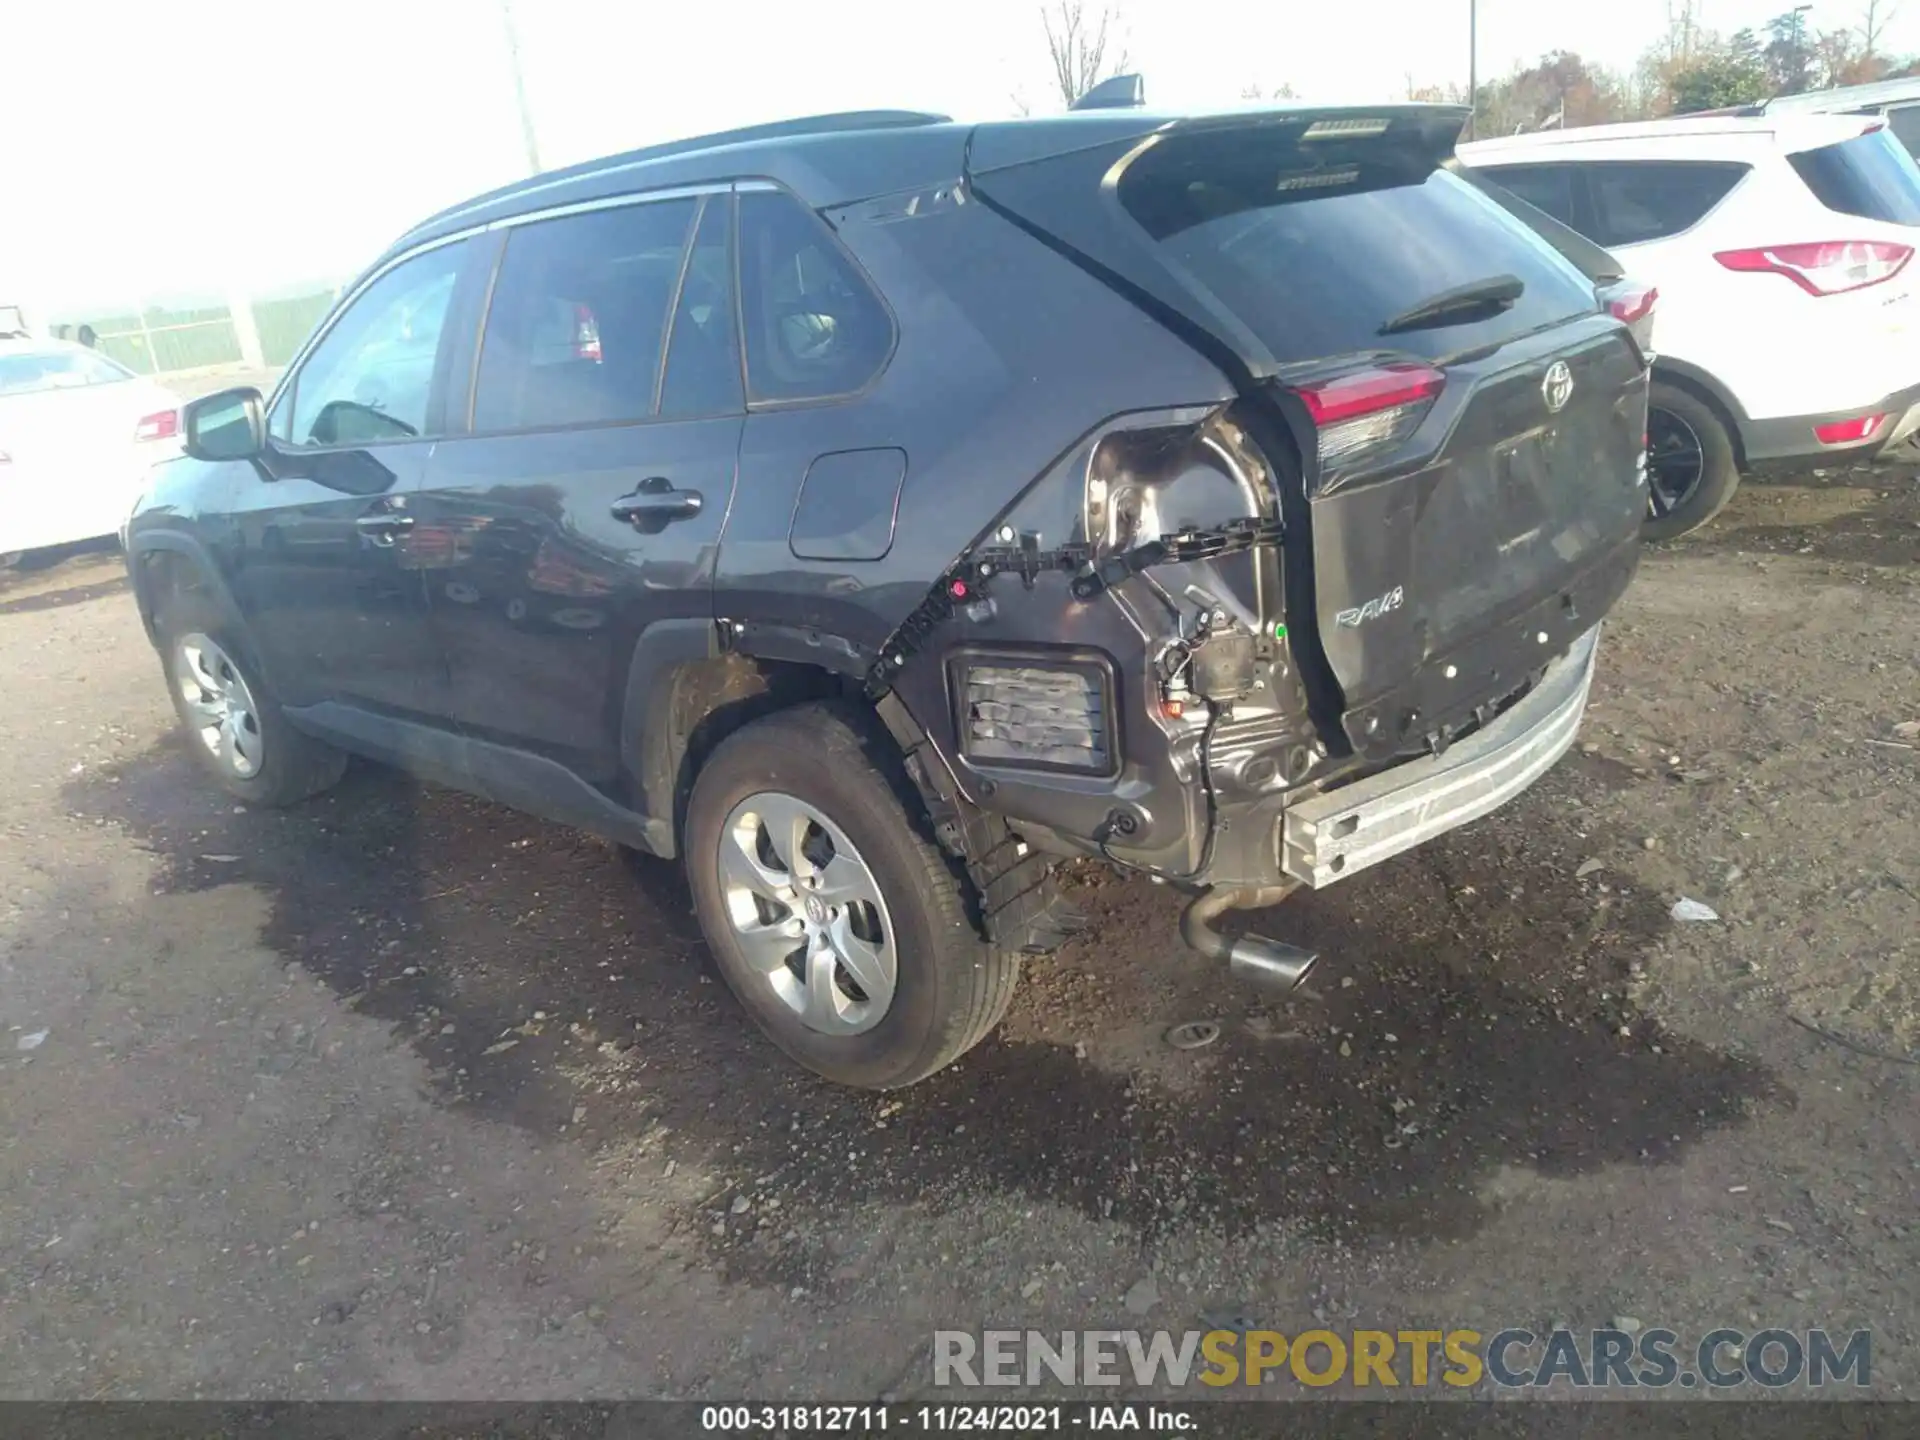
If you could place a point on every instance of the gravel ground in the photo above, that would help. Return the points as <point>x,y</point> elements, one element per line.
<point>400,1094</point>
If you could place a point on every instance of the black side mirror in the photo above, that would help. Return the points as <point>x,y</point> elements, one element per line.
<point>231,425</point>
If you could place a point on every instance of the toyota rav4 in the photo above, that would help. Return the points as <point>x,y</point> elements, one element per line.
<point>870,511</point>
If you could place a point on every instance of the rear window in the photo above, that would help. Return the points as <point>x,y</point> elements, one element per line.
<point>1869,176</point>
<point>1314,255</point>
<point>1906,127</point>
<point>1639,200</point>
<point>23,372</point>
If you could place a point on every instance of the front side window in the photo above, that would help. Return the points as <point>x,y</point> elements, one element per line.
<point>577,325</point>
<point>1639,200</point>
<point>371,376</point>
<point>814,327</point>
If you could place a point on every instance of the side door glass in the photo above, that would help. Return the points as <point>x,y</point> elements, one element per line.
<point>1905,124</point>
<point>370,379</point>
<point>1549,188</point>
<point>579,316</point>
<point>814,326</point>
<point>1637,201</point>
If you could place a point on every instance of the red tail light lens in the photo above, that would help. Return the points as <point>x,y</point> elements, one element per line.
<point>1830,267</point>
<point>1371,409</point>
<point>161,425</point>
<point>1847,432</point>
<point>1632,305</point>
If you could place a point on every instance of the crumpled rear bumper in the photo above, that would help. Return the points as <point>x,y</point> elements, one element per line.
<point>1334,835</point>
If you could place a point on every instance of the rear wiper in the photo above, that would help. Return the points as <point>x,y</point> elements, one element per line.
<point>1480,300</point>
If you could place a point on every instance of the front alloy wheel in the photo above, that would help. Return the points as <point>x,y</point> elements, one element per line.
<point>220,709</point>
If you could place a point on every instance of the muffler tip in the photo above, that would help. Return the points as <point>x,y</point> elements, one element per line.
<point>1270,964</point>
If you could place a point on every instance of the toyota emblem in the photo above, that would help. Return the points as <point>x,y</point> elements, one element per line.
<point>1557,387</point>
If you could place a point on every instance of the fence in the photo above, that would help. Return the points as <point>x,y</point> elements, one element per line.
<point>161,341</point>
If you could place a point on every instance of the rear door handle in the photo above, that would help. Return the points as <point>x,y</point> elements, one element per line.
<point>656,503</point>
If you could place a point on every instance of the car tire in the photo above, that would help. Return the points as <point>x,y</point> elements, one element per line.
<point>1688,439</point>
<point>872,900</point>
<point>232,724</point>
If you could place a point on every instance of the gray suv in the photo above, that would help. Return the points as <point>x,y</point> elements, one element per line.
<point>870,511</point>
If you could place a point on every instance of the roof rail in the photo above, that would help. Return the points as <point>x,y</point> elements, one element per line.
<point>839,122</point>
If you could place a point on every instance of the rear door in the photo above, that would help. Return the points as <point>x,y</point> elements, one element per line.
<point>583,504</point>
<point>1315,245</point>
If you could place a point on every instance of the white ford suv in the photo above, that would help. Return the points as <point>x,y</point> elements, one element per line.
<point>1781,246</point>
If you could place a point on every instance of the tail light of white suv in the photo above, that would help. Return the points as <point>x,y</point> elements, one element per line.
<point>1829,267</point>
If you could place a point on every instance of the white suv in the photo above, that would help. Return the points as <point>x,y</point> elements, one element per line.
<point>1780,246</point>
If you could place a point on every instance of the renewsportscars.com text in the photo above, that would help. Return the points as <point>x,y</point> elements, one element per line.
<point>1514,1358</point>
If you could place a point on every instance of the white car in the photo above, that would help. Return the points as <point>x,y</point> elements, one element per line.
<point>78,433</point>
<point>1781,247</point>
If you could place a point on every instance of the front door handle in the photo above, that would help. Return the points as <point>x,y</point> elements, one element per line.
<point>655,503</point>
<point>383,528</point>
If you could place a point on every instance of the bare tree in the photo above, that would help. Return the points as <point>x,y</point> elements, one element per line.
<point>1282,91</point>
<point>1873,25</point>
<point>1077,44</point>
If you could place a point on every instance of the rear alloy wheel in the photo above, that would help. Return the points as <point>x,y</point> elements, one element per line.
<point>843,929</point>
<point>1691,468</point>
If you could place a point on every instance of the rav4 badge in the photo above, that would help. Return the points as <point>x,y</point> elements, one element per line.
<point>1380,605</point>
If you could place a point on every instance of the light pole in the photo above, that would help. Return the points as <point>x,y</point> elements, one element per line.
<point>1473,65</point>
<point>520,89</point>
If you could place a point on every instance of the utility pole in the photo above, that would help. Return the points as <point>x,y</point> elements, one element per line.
<point>520,89</point>
<point>1473,66</point>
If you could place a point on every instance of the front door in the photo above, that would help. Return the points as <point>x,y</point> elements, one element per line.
<point>586,503</point>
<point>323,558</point>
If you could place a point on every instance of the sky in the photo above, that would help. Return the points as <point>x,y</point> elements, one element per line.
<point>177,148</point>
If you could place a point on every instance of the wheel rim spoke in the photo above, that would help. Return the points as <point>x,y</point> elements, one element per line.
<point>871,970</point>
<point>741,866</point>
<point>822,1007</point>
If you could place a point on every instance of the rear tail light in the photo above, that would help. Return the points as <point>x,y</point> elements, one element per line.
<point>1022,713</point>
<point>161,425</point>
<point>1829,267</point>
<point>1849,432</point>
<point>1369,410</point>
<point>1632,304</point>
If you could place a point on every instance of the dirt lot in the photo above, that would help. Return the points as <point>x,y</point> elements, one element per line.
<point>401,1094</point>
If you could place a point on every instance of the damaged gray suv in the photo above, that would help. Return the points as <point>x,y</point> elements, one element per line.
<point>870,511</point>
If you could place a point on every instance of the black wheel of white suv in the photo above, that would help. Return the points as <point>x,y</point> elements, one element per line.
<point>233,726</point>
<point>1692,470</point>
<point>842,929</point>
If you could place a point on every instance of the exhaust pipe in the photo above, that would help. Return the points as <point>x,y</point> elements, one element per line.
<point>1270,964</point>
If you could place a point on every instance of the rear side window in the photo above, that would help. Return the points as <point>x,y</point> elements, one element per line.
<point>1869,176</point>
<point>1545,187</point>
<point>814,327</point>
<point>578,321</point>
<point>1315,258</point>
<point>1639,200</point>
<point>1906,127</point>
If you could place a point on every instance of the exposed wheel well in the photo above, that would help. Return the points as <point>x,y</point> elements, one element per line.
<point>708,701</point>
